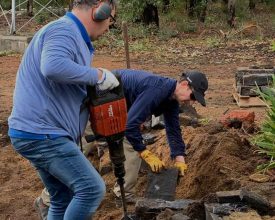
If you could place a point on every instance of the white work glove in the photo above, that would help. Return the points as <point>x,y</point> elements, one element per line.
<point>108,80</point>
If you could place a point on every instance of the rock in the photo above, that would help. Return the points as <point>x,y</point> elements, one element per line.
<point>228,196</point>
<point>209,215</point>
<point>255,201</point>
<point>149,138</point>
<point>225,208</point>
<point>150,208</point>
<point>259,178</point>
<point>164,215</point>
<point>235,118</point>
<point>180,216</point>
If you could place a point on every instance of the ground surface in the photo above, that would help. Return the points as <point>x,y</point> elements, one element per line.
<point>218,159</point>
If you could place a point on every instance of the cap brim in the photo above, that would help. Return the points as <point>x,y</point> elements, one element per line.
<point>200,98</point>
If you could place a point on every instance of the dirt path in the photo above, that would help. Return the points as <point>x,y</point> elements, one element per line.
<point>19,185</point>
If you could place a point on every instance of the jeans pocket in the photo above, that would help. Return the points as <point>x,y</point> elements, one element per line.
<point>29,149</point>
<point>20,144</point>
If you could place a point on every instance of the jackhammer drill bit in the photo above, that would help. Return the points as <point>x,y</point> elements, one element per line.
<point>117,157</point>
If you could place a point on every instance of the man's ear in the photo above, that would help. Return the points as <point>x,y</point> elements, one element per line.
<point>184,83</point>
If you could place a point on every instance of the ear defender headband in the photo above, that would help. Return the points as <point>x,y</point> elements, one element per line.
<point>102,11</point>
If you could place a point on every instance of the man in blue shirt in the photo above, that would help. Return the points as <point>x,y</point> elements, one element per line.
<point>149,94</point>
<point>46,122</point>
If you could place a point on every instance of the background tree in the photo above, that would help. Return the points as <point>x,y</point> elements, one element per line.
<point>198,8</point>
<point>30,7</point>
<point>252,4</point>
<point>145,11</point>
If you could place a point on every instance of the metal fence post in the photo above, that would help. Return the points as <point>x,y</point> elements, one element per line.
<point>12,29</point>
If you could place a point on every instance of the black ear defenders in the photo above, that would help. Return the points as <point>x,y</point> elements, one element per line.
<point>102,11</point>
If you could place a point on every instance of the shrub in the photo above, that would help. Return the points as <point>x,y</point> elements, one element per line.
<point>265,140</point>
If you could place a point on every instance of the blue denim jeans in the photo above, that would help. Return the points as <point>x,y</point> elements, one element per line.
<point>75,187</point>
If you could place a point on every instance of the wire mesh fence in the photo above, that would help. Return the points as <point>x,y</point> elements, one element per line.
<point>20,16</point>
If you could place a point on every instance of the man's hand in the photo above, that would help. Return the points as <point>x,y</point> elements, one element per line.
<point>108,80</point>
<point>152,160</point>
<point>180,165</point>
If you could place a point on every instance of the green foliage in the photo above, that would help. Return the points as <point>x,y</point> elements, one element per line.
<point>213,42</point>
<point>140,46</point>
<point>265,140</point>
<point>132,10</point>
<point>112,36</point>
<point>6,4</point>
<point>136,31</point>
<point>167,32</point>
<point>242,10</point>
<point>43,17</point>
<point>6,53</point>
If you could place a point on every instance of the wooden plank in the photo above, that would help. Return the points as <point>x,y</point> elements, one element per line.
<point>246,101</point>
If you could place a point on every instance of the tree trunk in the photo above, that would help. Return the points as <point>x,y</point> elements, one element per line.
<point>30,7</point>
<point>252,4</point>
<point>232,13</point>
<point>203,11</point>
<point>166,4</point>
<point>150,15</point>
<point>191,9</point>
<point>70,5</point>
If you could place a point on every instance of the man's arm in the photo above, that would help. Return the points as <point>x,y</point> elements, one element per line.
<point>173,131</point>
<point>139,111</point>
<point>57,59</point>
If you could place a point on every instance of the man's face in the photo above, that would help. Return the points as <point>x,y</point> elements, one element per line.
<point>102,27</point>
<point>184,94</point>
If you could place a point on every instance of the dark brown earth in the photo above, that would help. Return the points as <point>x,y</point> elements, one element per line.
<point>218,159</point>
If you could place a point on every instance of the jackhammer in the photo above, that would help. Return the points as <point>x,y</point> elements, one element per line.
<point>108,116</point>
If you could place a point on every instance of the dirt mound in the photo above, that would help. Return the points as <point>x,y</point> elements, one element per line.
<point>218,159</point>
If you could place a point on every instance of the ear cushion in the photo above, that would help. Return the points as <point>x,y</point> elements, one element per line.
<point>102,11</point>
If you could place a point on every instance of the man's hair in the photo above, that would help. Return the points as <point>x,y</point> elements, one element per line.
<point>182,77</point>
<point>90,3</point>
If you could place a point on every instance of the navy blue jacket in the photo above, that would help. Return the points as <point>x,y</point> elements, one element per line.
<point>149,94</point>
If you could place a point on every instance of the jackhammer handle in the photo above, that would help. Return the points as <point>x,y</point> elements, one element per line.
<point>99,97</point>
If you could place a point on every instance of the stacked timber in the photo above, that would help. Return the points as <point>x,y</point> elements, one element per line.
<point>249,79</point>
<point>247,82</point>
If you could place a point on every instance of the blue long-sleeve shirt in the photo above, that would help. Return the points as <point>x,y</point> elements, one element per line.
<point>149,94</point>
<point>51,81</point>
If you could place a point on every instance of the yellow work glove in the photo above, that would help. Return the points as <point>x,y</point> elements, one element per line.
<point>152,160</point>
<point>181,166</point>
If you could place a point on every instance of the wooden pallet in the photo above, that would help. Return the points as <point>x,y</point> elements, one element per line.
<point>248,101</point>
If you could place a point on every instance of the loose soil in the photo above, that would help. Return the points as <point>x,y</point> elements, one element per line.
<point>218,158</point>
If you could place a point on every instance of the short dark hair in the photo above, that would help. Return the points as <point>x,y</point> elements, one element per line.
<point>90,3</point>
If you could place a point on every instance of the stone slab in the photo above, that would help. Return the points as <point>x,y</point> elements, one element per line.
<point>255,201</point>
<point>150,208</point>
<point>228,196</point>
<point>162,185</point>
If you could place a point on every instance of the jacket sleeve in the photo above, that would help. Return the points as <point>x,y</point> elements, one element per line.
<point>173,131</point>
<point>57,59</point>
<point>139,111</point>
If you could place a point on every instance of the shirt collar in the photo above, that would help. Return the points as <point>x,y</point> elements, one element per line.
<point>82,30</point>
